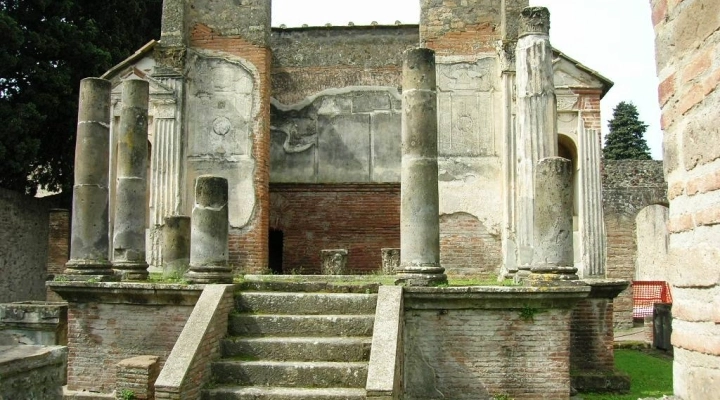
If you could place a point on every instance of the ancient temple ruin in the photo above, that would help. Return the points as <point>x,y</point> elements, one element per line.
<point>305,125</point>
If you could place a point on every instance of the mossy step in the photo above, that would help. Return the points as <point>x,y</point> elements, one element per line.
<point>282,393</point>
<point>300,325</point>
<point>298,348</point>
<point>291,373</point>
<point>305,303</point>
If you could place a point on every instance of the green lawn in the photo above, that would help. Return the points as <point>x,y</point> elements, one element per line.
<point>651,376</point>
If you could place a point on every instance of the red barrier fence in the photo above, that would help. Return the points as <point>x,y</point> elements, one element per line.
<point>647,293</point>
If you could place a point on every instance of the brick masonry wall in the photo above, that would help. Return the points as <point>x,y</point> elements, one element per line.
<point>137,374</point>
<point>591,338</point>
<point>467,248</point>
<point>58,246</point>
<point>248,250</point>
<point>360,218</point>
<point>481,353</point>
<point>309,60</point>
<point>23,247</point>
<point>100,335</point>
<point>628,187</point>
<point>688,63</point>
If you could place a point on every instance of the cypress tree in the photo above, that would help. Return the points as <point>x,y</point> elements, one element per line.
<point>626,139</point>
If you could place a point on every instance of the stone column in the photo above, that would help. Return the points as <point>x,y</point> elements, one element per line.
<point>176,246</point>
<point>553,226</point>
<point>89,244</point>
<point>131,191</point>
<point>209,232</point>
<point>536,120</point>
<point>592,222</point>
<point>419,201</point>
<point>334,262</point>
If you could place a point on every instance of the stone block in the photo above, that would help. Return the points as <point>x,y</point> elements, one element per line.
<point>334,262</point>
<point>390,260</point>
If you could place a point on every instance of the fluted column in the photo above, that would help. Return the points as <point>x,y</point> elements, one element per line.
<point>131,190</point>
<point>89,244</point>
<point>209,232</point>
<point>592,223</point>
<point>536,119</point>
<point>419,199</point>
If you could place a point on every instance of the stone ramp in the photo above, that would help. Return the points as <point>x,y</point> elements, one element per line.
<point>295,345</point>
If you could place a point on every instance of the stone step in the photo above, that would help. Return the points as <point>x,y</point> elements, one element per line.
<point>291,373</point>
<point>282,393</point>
<point>305,303</point>
<point>360,287</point>
<point>300,325</point>
<point>298,348</point>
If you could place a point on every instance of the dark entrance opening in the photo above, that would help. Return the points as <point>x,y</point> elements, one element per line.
<point>275,251</point>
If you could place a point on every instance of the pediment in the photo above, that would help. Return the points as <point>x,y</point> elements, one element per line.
<point>157,88</point>
<point>568,75</point>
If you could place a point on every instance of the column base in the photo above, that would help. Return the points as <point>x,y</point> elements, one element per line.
<point>88,267</point>
<point>131,271</point>
<point>420,274</point>
<point>209,275</point>
<point>421,279</point>
<point>536,279</point>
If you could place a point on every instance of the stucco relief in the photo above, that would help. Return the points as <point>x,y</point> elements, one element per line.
<point>220,106</point>
<point>339,135</point>
<point>465,108</point>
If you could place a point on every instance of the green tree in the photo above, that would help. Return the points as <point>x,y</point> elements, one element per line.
<point>626,139</point>
<point>48,46</point>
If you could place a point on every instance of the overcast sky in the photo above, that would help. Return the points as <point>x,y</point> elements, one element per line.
<point>613,37</point>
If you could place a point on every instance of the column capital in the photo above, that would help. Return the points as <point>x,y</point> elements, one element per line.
<point>534,21</point>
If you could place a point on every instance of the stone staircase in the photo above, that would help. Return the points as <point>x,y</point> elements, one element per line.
<point>290,345</point>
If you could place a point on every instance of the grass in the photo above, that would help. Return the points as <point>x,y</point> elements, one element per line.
<point>651,376</point>
<point>359,280</point>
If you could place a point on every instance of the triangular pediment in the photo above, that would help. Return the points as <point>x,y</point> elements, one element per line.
<point>569,73</point>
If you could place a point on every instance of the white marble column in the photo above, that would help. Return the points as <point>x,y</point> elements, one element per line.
<point>591,220</point>
<point>536,119</point>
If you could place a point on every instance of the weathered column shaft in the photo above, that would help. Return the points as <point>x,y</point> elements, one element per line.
<point>419,204</point>
<point>89,244</point>
<point>209,232</point>
<point>131,191</point>
<point>592,222</point>
<point>536,117</point>
<point>176,245</point>
<point>553,225</point>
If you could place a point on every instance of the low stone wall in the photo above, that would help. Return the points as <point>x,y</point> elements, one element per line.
<point>110,322</point>
<point>480,342</point>
<point>32,372</point>
<point>34,323</point>
<point>188,368</point>
<point>23,247</point>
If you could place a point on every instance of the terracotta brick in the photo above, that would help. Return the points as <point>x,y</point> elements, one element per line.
<point>666,89</point>
<point>697,66</point>
<point>659,11</point>
<point>681,223</point>
<point>704,184</point>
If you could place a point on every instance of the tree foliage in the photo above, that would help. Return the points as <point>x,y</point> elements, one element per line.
<point>48,46</point>
<point>626,139</point>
